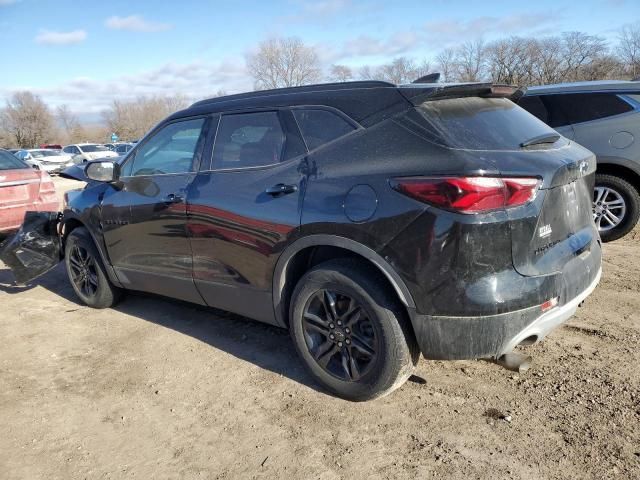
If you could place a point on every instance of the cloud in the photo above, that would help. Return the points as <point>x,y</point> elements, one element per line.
<point>196,79</point>
<point>456,31</point>
<point>135,23</point>
<point>47,37</point>
<point>316,11</point>
<point>366,45</point>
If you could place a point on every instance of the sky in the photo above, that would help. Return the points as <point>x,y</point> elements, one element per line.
<point>85,53</point>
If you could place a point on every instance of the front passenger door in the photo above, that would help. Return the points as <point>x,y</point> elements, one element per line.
<point>144,217</point>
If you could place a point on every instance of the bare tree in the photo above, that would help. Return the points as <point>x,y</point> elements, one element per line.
<point>629,48</point>
<point>340,73</point>
<point>579,50</point>
<point>365,73</point>
<point>27,120</point>
<point>446,62</point>
<point>470,61</point>
<point>71,128</point>
<point>283,62</point>
<point>131,120</point>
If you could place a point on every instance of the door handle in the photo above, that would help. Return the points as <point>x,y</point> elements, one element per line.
<point>281,189</point>
<point>174,198</point>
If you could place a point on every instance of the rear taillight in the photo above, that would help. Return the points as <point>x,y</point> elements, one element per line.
<point>47,193</point>
<point>469,194</point>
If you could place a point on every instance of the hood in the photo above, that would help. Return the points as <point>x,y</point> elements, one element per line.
<point>56,159</point>
<point>97,155</point>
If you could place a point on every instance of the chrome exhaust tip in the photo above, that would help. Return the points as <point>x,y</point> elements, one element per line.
<point>515,362</point>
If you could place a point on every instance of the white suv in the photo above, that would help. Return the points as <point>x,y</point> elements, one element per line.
<point>83,152</point>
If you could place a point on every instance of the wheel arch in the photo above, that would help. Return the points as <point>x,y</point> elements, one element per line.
<point>70,222</point>
<point>620,167</point>
<point>298,257</point>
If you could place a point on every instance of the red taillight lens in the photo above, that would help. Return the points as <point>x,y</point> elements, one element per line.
<point>469,194</point>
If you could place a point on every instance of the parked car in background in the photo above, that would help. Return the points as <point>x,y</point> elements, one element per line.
<point>83,152</point>
<point>22,189</point>
<point>373,221</point>
<point>123,148</point>
<point>604,117</point>
<point>53,146</point>
<point>51,161</point>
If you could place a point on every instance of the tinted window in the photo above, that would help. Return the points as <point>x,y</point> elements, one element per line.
<point>248,140</point>
<point>321,126</point>
<point>583,107</point>
<point>475,123</point>
<point>10,162</point>
<point>535,107</point>
<point>170,150</point>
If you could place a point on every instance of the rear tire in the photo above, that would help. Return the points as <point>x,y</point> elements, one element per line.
<point>87,273</point>
<point>372,349</point>
<point>614,197</point>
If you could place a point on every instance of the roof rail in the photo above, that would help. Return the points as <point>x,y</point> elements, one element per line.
<point>320,87</point>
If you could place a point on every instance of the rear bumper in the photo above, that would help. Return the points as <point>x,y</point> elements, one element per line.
<point>490,336</point>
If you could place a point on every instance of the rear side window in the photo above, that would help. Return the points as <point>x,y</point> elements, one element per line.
<point>535,107</point>
<point>10,162</point>
<point>475,123</point>
<point>583,107</point>
<point>321,126</point>
<point>248,140</point>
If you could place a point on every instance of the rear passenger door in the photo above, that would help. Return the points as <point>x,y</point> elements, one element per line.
<point>244,207</point>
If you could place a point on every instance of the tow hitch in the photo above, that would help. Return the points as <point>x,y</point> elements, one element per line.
<point>35,248</point>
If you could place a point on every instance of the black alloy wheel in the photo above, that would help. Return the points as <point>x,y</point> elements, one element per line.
<point>339,335</point>
<point>83,270</point>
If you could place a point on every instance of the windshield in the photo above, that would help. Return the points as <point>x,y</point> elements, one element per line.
<point>44,153</point>
<point>10,162</point>
<point>93,148</point>
<point>476,123</point>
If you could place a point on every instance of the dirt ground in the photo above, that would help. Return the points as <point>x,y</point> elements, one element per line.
<point>158,389</point>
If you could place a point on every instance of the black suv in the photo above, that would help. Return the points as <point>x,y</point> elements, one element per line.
<point>374,221</point>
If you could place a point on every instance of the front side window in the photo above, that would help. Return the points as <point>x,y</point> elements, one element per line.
<point>170,150</point>
<point>248,140</point>
<point>321,126</point>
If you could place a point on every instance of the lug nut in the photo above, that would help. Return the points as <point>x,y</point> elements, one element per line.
<point>348,341</point>
<point>339,322</point>
<point>331,325</point>
<point>347,330</point>
<point>332,336</point>
<point>339,344</point>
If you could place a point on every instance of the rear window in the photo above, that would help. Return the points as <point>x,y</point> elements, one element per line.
<point>10,162</point>
<point>321,126</point>
<point>475,123</point>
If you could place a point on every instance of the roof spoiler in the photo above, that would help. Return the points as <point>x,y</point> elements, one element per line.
<point>417,95</point>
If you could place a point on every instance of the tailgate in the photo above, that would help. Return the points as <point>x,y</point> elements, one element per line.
<point>562,230</point>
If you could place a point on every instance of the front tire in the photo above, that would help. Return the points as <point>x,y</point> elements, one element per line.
<point>350,331</point>
<point>616,206</point>
<point>86,271</point>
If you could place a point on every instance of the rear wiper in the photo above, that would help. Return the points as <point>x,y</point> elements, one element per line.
<point>544,138</point>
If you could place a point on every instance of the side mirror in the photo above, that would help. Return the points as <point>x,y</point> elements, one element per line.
<point>102,171</point>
